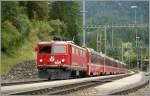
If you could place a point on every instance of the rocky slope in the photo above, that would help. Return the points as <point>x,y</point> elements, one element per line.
<point>24,70</point>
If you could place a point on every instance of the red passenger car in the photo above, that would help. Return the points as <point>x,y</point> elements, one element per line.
<point>63,59</point>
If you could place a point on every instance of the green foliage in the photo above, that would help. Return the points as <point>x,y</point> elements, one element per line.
<point>41,28</point>
<point>24,22</point>
<point>91,40</point>
<point>15,26</point>
<point>69,12</point>
<point>9,37</point>
<point>9,10</point>
<point>107,19</point>
<point>60,28</point>
<point>38,10</point>
<point>118,10</point>
<point>23,26</point>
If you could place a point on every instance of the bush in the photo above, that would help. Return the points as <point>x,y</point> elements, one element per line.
<point>10,36</point>
<point>59,27</point>
<point>9,10</point>
<point>23,26</point>
<point>41,28</point>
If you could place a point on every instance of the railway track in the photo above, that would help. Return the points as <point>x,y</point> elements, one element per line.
<point>142,90</point>
<point>64,90</point>
<point>138,89</point>
<point>8,83</point>
<point>59,87</point>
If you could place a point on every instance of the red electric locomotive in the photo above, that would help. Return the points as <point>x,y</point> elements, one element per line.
<point>63,59</point>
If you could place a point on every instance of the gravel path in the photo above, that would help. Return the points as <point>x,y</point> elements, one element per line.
<point>140,92</point>
<point>24,70</point>
<point>144,91</point>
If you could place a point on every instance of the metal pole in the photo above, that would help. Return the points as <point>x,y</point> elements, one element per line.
<point>83,1</point>
<point>105,30</point>
<point>122,52</point>
<point>129,62</point>
<point>136,40</point>
<point>100,43</point>
<point>137,63</point>
<point>136,36</point>
<point>141,62</point>
<point>149,48</point>
<point>135,15</point>
<point>112,37</point>
<point>97,42</point>
<point>141,67</point>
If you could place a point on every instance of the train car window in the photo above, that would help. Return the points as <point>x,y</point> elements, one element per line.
<point>106,62</point>
<point>110,63</point>
<point>83,53</point>
<point>115,64</point>
<point>45,49</point>
<point>73,50</point>
<point>92,58</point>
<point>76,51</point>
<point>59,49</point>
<point>97,59</point>
<point>79,52</point>
<point>102,61</point>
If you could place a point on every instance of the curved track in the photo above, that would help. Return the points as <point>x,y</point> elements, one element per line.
<point>6,83</point>
<point>134,88</point>
<point>62,86</point>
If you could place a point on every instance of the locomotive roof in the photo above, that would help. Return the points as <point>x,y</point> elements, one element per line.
<point>57,42</point>
<point>105,56</point>
<point>61,42</point>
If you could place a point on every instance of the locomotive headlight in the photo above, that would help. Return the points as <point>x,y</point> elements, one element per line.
<point>41,60</point>
<point>63,60</point>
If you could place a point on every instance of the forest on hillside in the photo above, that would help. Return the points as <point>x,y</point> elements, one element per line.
<point>25,23</point>
<point>118,13</point>
<point>23,19</point>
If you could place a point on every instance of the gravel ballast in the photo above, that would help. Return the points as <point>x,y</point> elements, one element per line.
<point>21,71</point>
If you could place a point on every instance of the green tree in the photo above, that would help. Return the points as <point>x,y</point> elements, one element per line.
<point>9,10</point>
<point>10,37</point>
<point>41,29</point>
<point>37,10</point>
<point>69,12</point>
<point>15,25</point>
<point>59,27</point>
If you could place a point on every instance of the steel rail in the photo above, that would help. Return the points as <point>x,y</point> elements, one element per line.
<point>18,89</point>
<point>132,88</point>
<point>19,82</point>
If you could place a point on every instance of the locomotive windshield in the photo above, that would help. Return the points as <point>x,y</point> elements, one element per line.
<point>45,49</point>
<point>59,49</point>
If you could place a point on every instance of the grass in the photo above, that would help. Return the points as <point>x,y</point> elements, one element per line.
<point>26,52</point>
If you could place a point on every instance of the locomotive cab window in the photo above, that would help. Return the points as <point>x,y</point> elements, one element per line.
<point>45,49</point>
<point>59,49</point>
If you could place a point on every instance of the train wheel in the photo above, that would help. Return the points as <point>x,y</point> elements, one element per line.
<point>49,78</point>
<point>101,73</point>
<point>77,74</point>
